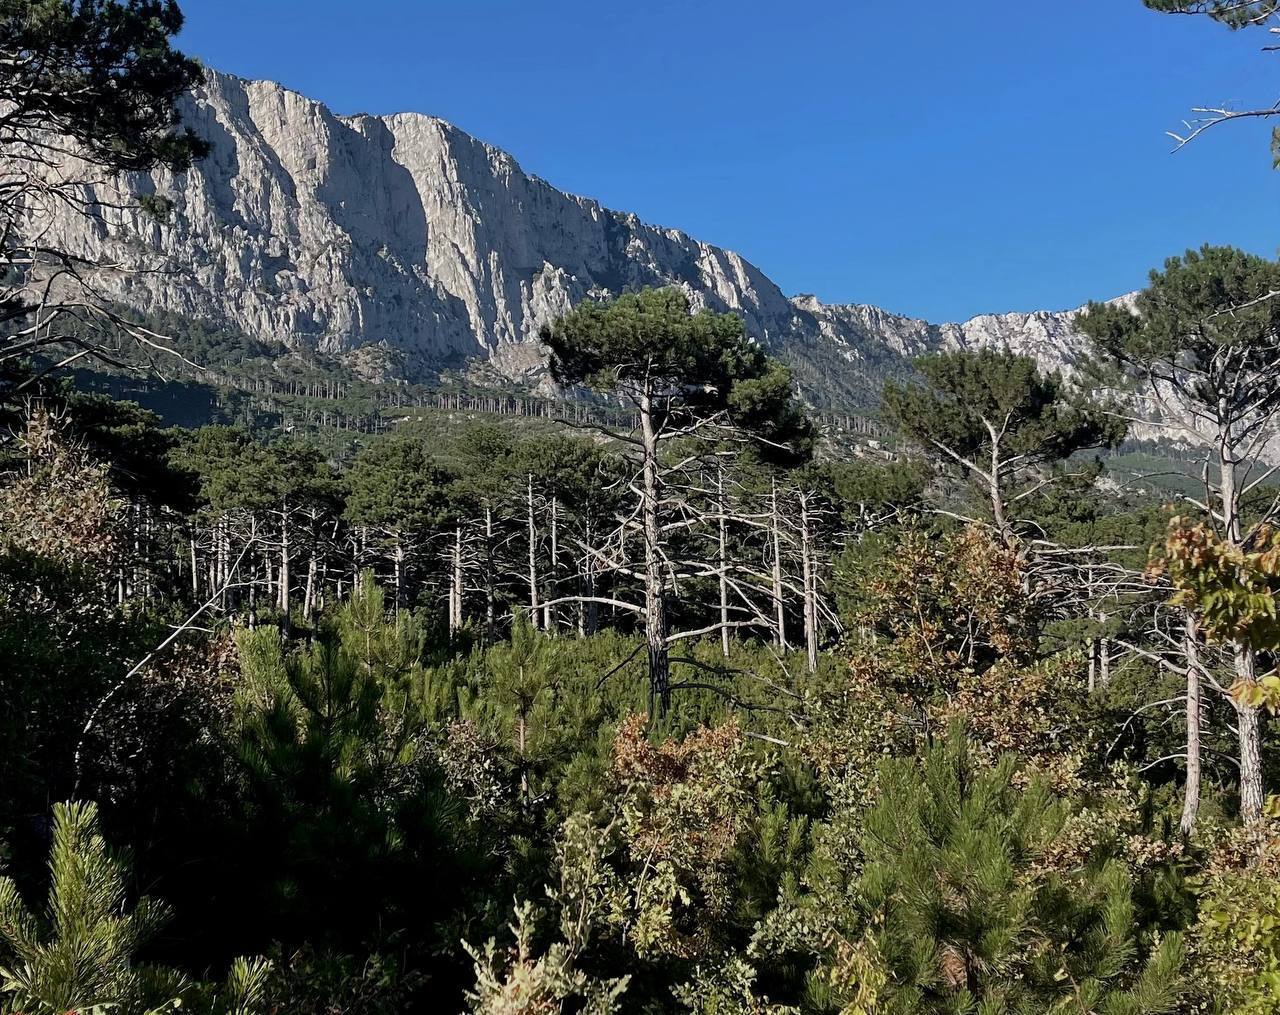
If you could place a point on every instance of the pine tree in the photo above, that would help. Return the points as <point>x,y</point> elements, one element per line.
<point>1201,346</point>
<point>82,955</point>
<point>686,376</point>
<point>398,495</point>
<point>965,909</point>
<point>998,420</point>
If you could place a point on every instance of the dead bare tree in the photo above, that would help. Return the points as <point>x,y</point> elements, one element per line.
<point>1235,15</point>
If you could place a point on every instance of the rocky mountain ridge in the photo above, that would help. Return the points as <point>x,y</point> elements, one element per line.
<point>402,244</point>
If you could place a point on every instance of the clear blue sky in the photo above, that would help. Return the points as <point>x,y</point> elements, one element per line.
<point>960,159</point>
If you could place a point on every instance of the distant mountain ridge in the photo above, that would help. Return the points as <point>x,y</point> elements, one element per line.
<point>402,245</point>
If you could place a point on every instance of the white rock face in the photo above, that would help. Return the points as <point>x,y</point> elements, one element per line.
<point>336,233</point>
<point>1048,337</point>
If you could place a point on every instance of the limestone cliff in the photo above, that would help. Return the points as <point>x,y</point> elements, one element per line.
<point>402,232</point>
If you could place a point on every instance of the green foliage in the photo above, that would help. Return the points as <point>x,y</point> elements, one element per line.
<point>1235,944</point>
<point>996,419</point>
<point>1200,306</point>
<point>960,905</point>
<point>728,989</point>
<point>975,399</point>
<point>871,492</point>
<point>340,785</point>
<point>102,72</point>
<point>1232,13</point>
<point>522,982</point>
<point>646,344</point>
<point>393,485</point>
<point>236,473</point>
<point>87,961</point>
<point>82,954</point>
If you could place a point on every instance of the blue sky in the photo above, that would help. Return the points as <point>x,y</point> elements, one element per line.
<point>956,160</point>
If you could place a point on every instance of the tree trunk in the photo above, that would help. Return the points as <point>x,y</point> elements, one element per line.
<point>309,596</point>
<point>1248,725</point>
<point>655,603</point>
<point>998,516</point>
<point>533,555</point>
<point>779,604</point>
<point>1248,721</point>
<point>285,549</point>
<point>590,611</point>
<point>810,586</point>
<point>397,555</point>
<point>490,604</point>
<point>549,619</point>
<point>722,562</point>
<point>456,621</point>
<point>221,563</point>
<point>1191,791</point>
<point>195,571</point>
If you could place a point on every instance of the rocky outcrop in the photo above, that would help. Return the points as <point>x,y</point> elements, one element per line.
<point>1047,336</point>
<point>402,232</point>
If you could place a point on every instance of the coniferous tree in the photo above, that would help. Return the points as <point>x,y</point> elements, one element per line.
<point>1003,424</point>
<point>81,954</point>
<point>395,490</point>
<point>971,895</point>
<point>1201,346</point>
<point>685,375</point>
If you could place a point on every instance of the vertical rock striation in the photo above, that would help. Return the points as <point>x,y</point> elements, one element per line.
<point>405,234</point>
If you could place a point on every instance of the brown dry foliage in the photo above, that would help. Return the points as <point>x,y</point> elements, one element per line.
<point>61,505</point>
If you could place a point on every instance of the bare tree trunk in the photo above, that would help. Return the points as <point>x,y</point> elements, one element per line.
<point>1249,730</point>
<point>490,605</point>
<point>221,558</point>
<point>779,604</point>
<point>285,551</point>
<point>265,561</point>
<point>309,595</point>
<point>655,603</point>
<point>1248,722</point>
<point>195,570</point>
<point>810,591</point>
<point>723,562</point>
<point>1093,661</point>
<point>533,555</point>
<point>549,619</point>
<point>1191,791</point>
<point>590,612</point>
<point>456,620</point>
<point>397,555</point>
<point>998,516</point>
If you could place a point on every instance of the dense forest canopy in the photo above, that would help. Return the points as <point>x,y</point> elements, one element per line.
<point>662,694</point>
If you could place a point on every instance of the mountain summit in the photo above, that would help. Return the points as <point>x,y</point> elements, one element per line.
<point>402,240</point>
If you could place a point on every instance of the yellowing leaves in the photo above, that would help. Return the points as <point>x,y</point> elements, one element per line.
<point>1232,591</point>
